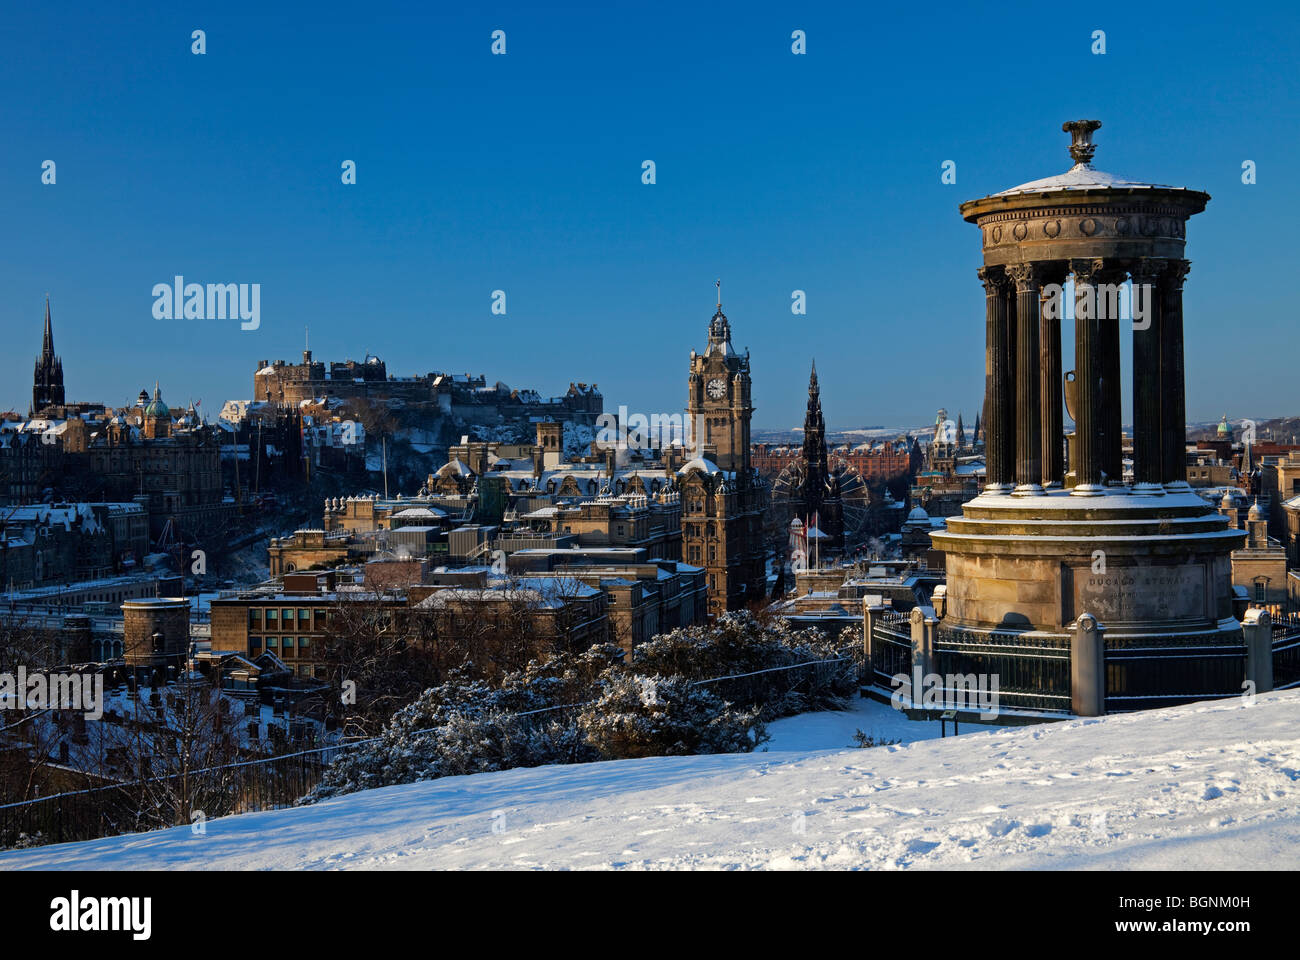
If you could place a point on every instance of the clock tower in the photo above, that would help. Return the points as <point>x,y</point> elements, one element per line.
<point>718,397</point>
<point>722,495</point>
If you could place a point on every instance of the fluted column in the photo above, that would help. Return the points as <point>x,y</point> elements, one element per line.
<point>998,383</point>
<point>1087,373</point>
<point>1173,413</point>
<point>1108,281</point>
<point>1051,384</point>
<point>1028,413</point>
<point>1148,335</point>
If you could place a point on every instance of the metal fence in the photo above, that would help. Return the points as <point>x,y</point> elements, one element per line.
<point>1286,655</point>
<point>1032,670</point>
<point>891,649</point>
<point>153,803</point>
<point>274,782</point>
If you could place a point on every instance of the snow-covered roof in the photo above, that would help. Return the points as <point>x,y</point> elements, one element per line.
<point>423,512</point>
<point>700,463</point>
<point>1082,176</point>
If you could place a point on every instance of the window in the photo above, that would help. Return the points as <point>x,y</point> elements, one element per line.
<point>271,617</point>
<point>255,619</point>
<point>303,644</point>
<point>255,645</point>
<point>272,643</point>
<point>287,616</point>
<point>286,646</point>
<point>304,616</point>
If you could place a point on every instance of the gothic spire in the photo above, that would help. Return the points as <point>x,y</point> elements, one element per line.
<point>47,381</point>
<point>47,344</point>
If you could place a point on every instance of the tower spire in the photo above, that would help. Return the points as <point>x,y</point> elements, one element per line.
<point>47,344</point>
<point>47,381</point>
<point>719,328</point>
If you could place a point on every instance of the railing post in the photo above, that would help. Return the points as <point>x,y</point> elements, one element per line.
<point>1258,629</point>
<point>1088,667</point>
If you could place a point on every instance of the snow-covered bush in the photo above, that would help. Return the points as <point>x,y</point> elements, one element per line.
<point>648,716</point>
<point>576,707</point>
<point>748,651</point>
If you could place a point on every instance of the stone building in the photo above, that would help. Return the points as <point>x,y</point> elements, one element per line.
<point>469,399</point>
<point>172,463</point>
<point>1260,566</point>
<point>722,496</point>
<point>646,596</point>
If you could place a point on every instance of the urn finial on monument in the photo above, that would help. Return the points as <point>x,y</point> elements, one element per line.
<point>1081,146</point>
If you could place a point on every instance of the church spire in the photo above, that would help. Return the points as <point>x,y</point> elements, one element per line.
<point>47,381</point>
<point>47,344</point>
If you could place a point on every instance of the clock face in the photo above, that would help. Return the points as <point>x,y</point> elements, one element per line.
<point>717,389</point>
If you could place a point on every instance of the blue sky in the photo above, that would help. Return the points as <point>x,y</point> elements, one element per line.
<point>522,173</point>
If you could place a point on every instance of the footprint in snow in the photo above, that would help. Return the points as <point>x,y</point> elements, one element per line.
<point>921,847</point>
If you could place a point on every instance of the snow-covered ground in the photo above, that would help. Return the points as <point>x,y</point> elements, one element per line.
<point>1206,786</point>
<point>834,729</point>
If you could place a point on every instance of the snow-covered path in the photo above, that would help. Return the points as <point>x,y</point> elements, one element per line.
<point>1207,786</point>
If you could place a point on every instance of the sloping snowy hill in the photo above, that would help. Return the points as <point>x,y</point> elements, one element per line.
<point>1207,786</point>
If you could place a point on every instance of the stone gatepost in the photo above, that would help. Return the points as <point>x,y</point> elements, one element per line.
<point>1257,625</point>
<point>870,617</point>
<point>924,625</point>
<point>1088,667</point>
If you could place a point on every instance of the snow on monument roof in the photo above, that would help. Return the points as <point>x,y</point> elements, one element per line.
<point>1082,176</point>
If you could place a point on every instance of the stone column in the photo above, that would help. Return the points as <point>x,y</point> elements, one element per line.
<point>1087,375</point>
<point>998,383</point>
<point>1173,411</point>
<point>1051,384</point>
<point>1029,439</point>
<point>1108,281</point>
<point>1148,449</point>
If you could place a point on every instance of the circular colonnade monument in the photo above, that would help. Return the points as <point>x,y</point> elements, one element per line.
<point>1058,532</point>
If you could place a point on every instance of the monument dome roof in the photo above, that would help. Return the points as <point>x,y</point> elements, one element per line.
<point>1083,176</point>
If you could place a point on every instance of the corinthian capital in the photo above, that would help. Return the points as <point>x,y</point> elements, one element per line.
<point>1026,276</point>
<point>1097,270</point>
<point>1175,273</point>
<point>994,279</point>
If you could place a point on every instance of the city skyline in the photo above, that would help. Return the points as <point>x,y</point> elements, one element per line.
<point>478,173</point>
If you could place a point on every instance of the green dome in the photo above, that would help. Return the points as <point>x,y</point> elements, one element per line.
<point>1223,426</point>
<point>156,407</point>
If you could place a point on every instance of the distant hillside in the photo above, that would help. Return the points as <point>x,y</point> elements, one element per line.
<point>1278,429</point>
